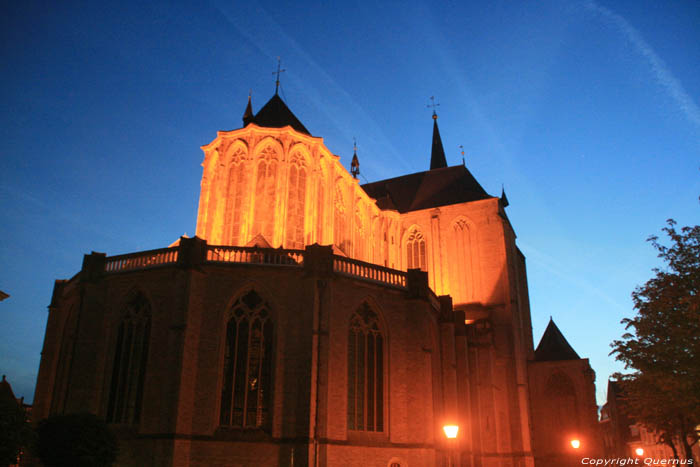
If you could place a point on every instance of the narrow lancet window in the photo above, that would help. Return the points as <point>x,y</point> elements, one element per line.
<point>265,195</point>
<point>296,203</point>
<point>245,395</point>
<point>365,372</point>
<point>130,358</point>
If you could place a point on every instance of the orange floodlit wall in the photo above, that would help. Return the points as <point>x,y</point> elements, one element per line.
<point>287,188</point>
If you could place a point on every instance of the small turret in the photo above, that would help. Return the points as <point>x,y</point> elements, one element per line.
<point>248,114</point>
<point>355,164</point>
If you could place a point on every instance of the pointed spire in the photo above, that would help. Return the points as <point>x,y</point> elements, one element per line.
<point>437,154</point>
<point>505,203</point>
<point>248,114</point>
<point>355,164</point>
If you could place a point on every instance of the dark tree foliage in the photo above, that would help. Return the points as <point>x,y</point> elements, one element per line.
<point>76,440</point>
<point>15,432</point>
<point>662,343</point>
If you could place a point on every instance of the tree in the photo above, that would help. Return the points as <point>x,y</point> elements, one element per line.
<point>76,440</point>
<point>662,343</point>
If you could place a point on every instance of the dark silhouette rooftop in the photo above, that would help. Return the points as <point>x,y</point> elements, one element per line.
<point>429,189</point>
<point>274,114</point>
<point>553,346</point>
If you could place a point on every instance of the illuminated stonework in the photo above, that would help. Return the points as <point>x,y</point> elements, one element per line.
<point>292,190</point>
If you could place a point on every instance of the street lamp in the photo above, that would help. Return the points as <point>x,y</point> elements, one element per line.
<point>451,431</point>
<point>639,452</point>
<point>575,443</point>
<point>451,434</point>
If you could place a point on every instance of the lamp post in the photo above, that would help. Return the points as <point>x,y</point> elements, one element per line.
<point>451,434</point>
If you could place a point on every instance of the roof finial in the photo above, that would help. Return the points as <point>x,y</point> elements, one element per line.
<point>433,105</point>
<point>355,164</point>
<point>462,148</point>
<point>277,82</point>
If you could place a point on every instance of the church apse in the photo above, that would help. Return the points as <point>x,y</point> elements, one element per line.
<point>365,318</point>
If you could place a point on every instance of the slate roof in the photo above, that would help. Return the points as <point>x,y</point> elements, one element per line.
<point>553,346</point>
<point>275,114</point>
<point>429,189</point>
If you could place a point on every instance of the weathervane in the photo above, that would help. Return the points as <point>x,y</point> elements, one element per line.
<point>277,82</point>
<point>433,105</point>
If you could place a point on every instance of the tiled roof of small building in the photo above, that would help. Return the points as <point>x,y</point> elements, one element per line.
<point>553,346</point>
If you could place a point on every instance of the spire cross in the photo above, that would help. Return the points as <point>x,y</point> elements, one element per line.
<point>354,144</point>
<point>277,82</point>
<point>433,105</point>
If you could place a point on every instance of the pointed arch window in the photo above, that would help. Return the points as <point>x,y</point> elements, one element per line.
<point>339,222</point>
<point>365,372</point>
<point>296,203</point>
<point>266,195</point>
<point>246,391</point>
<point>236,198</point>
<point>415,251</point>
<point>462,263</point>
<point>130,358</point>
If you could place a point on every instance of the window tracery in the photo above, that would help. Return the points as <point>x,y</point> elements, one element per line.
<point>130,358</point>
<point>365,371</point>
<point>266,194</point>
<point>461,268</point>
<point>415,250</point>
<point>236,199</point>
<point>247,385</point>
<point>296,203</point>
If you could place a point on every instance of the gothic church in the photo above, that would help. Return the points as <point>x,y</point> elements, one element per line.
<point>316,321</point>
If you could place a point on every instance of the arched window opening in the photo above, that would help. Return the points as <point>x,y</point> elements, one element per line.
<point>461,263</point>
<point>415,251</point>
<point>130,358</point>
<point>266,195</point>
<point>296,203</point>
<point>339,223</point>
<point>235,199</point>
<point>245,395</point>
<point>365,372</point>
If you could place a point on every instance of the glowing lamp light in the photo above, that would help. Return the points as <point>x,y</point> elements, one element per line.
<point>639,451</point>
<point>451,431</point>
<point>575,443</point>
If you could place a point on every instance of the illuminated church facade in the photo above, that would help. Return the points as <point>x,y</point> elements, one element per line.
<point>317,321</point>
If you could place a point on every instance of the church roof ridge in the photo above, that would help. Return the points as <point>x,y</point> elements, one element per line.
<point>428,189</point>
<point>553,346</point>
<point>275,114</point>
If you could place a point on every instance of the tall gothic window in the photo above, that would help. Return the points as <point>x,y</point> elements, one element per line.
<point>365,372</point>
<point>130,357</point>
<point>339,222</point>
<point>236,198</point>
<point>245,395</point>
<point>296,201</point>
<point>461,265</point>
<point>320,199</point>
<point>415,251</point>
<point>265,192</point>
